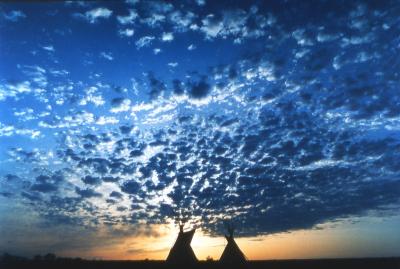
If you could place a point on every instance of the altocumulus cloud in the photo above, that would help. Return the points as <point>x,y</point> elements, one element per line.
<point>299,128</point>
<point>98,13</point>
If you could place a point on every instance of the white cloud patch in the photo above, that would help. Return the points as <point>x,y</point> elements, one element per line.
<point>107,56</point>
<point>173,64</point>
<point>49,48</point>
<point>144,41</point>
<point>36,73</point>
<point>160,119</point>
<point>131,2</point>
<point>93,15</point>
<point>183,22</point>
<point>102,120</point>
<point>129,19</point>
<point>13,90</point>
<point>80,118</point>
<point>92,97</point>
<point>156,51</point>
<point>126,32</point>
<point>77,3</point>
<point>201,2</point>
<point>235,23</point>
<point>167,37</point>
<point>14,15</point>
<point>191,47</point>
<point>124,106</point>
<point>142,107</point>
<point>59,73</point>
<point>28,132</point>
<point>25,114</point>
<point>211,26</point>
<point>96,100</point>
<point>154,20</point>
<point>6,130</point>
<point>10,130</point>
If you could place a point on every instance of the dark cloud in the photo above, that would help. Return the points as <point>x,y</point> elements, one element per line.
<point>44,187</point>
<point>110,179</point>
<point>34,197</point>
<point>156,86</point>
<point>116,195</point>
<point>125,129</point>
<point>10,177</point>
<point>91,180</point>
<point>87,193</point>
<point>178,87</point>
<point>130,187</point>
<point>199,89</point>
<point>117,101</point>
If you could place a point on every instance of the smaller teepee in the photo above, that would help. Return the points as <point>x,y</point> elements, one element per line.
<point>182,252</point>
<point>232,253</point>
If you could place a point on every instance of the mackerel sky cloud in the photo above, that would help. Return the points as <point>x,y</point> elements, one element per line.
<point>140,113</point>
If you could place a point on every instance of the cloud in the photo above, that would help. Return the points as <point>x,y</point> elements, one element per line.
<point>131,2</point>
<point>183,21</point>
<point>144,41</point>
<point>125,129</point>
<point>167,37</point>
<point>211,26</point>
<point>14,15</point>
<point>91,180</point>
<point>77,3</point>
<point>120,105</point>
<point>126,32</point>
<point>107,56</point>
<point>276,139</point>
<point>156,86</point>
<point>59,73</point>
<point>49,48</point>
<point>201,2</point>
<point>44,187</point>
<point>237,24</point>
<point>155,13</point>
<point>14,90</point>
<point>87,193</point>
<point>178,87</point>
<point>129,19</point>
<point>103,120</point>
<point>78,118</point>
<point>156,51</point>
<point>130,187</point>
<point>10,130</point>
<point>36,73</point>
<point>97,100</point>
<point>173,64</point>
<point>199,89</point>
<point>97,13</point>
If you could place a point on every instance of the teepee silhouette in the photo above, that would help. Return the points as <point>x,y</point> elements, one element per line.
<point>232,253</point>
<point>182,252</point>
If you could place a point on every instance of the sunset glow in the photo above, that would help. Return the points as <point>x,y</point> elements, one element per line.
<point>276,123</point>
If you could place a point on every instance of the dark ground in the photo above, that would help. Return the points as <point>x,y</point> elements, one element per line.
<point>378,263</point>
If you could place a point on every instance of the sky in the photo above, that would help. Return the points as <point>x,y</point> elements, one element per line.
<point>118,119</point>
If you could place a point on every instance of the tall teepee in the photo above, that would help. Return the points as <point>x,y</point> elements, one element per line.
<point>232,253</point>
<point>182,252</point>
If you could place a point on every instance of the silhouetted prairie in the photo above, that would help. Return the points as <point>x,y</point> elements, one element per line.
<point>367,263</point>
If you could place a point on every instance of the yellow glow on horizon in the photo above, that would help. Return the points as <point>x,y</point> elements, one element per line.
<point>339,240</point>
<point>205,246</point>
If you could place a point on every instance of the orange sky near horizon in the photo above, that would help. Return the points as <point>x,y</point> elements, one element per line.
<point>331,240</point>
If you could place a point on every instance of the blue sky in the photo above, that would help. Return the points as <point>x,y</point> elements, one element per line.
<point>274,116</point>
